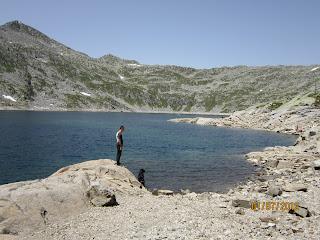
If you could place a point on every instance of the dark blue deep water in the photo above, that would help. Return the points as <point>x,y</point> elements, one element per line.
<point>174,155</point>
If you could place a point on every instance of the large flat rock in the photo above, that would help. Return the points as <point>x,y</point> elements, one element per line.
<point>293,187</point>
<point>25,206</point>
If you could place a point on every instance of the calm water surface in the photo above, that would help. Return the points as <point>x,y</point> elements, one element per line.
<point>174,155</point>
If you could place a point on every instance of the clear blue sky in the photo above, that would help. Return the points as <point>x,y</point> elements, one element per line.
<point>197,33</point>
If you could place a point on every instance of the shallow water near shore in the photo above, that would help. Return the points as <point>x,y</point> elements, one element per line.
<point>175,155</point>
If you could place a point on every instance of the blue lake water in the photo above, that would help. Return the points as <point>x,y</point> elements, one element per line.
<point>174,155</point>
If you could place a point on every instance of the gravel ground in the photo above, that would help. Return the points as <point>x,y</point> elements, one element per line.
<point>191,216</point>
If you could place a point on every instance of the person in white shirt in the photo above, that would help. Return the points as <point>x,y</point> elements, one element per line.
<point>119,144</point>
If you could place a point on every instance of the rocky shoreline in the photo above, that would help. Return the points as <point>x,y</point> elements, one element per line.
<point>286,175</point>
<point>289,174</point>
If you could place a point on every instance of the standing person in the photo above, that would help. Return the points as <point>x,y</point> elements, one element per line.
<point>119,143</point>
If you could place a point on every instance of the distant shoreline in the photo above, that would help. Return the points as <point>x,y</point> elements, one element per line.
<point>115,111</point>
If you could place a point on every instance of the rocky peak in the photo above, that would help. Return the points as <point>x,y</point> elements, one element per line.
<point>114,60</point>
<point>18,26</point>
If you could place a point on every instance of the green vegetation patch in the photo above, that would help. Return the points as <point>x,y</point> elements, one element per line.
<point>210,102</point>
<point>317,100</point>
<point>76,100</point>
<point>274,105</point>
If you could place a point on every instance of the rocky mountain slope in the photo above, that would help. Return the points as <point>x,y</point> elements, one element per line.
<point>39,73</point>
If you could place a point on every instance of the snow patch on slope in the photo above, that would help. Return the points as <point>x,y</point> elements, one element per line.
<point>85,94</point>
<point>134,65</point>
<point>9,98</point>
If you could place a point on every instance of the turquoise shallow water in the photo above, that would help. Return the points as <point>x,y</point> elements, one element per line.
<point>174,155</point>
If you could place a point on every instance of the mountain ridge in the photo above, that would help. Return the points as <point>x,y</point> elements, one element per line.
<point>41,73</point>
